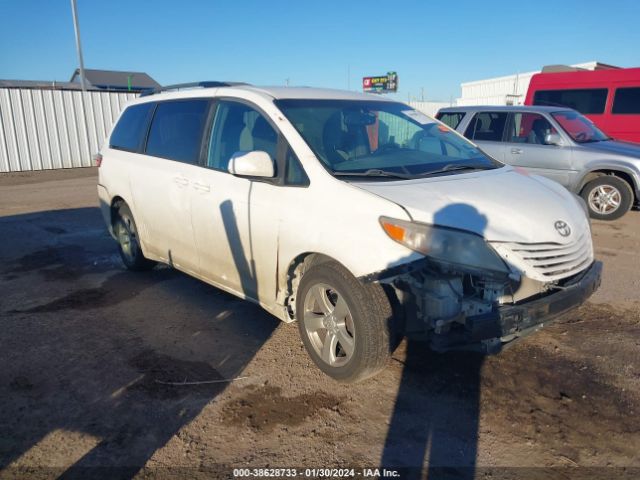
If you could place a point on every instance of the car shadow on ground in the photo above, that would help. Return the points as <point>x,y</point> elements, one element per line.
<point>437,407</point>
<point>436,414</point>
<point>117,361</point>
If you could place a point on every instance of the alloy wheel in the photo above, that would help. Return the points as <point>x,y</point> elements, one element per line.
<point>604,199</point>
<point>329,325</point>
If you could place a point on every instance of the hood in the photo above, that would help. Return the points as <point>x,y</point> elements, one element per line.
<point>502,205</point>
<point>616,147</point>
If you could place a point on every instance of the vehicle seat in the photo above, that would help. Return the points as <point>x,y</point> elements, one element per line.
<point>264,137</point>
<point>342,142</point>
<point>539,130</point>
<point>478,129</point>
<point>245,142</point>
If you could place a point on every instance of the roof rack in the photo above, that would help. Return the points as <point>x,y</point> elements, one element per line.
<point>179,86</point>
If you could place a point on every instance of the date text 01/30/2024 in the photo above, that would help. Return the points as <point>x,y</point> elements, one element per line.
<point>314,473</point>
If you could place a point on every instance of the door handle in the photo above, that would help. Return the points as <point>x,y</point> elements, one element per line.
<point>181,181</point>
<point>516,150</point>
<point>203,187</point>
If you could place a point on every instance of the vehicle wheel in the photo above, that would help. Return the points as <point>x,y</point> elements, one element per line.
<point>126,233</point>
<point>345,326</point>
<point>608,197</point>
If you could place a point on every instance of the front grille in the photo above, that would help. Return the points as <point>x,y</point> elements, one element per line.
<point>549,261</point>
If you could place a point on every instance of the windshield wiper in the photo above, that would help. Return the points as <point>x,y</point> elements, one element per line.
<point>373,172</point>
<point>451,168</point>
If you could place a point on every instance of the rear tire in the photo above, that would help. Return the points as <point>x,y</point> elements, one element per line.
<point>126,232</point>
<point>346,327</point>
<point>608,197</point>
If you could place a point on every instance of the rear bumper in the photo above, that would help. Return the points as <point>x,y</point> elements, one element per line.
<point>492,331</point>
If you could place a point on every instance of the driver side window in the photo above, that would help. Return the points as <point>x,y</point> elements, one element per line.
<point>529,128</point>
<point>239,128</point>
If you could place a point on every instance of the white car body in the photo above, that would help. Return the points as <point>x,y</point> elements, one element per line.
<point>181,209</point>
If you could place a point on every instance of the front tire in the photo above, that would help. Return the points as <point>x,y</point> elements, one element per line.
<point>608,197</point>
<point>126,232</point>
<point>346,327</point>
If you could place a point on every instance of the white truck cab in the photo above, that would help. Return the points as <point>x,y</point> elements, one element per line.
<point>359,217</point>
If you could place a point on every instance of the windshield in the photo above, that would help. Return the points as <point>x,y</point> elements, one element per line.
<point>381,139</point>
<point>578,127</point>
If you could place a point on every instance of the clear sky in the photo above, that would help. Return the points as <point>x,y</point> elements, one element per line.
<point>433,45</point>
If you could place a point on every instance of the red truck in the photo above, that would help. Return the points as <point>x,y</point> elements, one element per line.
<point>609,97</point>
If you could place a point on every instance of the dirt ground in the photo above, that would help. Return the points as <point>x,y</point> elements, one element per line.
<point>89,352</point>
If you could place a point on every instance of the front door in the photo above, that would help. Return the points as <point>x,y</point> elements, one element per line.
<point>526,147</point>
<point>236,219</point>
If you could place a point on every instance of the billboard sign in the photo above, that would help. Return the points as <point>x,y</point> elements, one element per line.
<point>381,84</point>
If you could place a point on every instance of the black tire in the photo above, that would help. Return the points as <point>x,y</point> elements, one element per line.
<point>369,322</point>
<point>598,192</point>
<point>126,232</point>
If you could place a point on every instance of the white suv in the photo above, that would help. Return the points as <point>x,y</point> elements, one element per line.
<point>359,217</point>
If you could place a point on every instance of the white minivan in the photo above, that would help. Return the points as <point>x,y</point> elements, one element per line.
<point>358,217</point>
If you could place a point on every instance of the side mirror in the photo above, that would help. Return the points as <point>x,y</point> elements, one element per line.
<point>553,139</point>
<point>251,164</point>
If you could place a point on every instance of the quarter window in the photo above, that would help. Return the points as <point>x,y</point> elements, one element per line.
<point>626,101</point>
<point>176,130</point>
<point>131,129</point>
<point>451,119</point>
<point>529,128</point>
<point>294,173</point>
<point>487,126</point>
<point>239,128</point>
<point>586,101</point>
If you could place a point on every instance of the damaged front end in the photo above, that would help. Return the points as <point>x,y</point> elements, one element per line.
<point>482,303</point>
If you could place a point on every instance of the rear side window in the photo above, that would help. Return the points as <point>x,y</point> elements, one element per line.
<point>487,126</point>
<point>176,130</point>
<point>626,100</point>
<point>131,129</point>
<point>451,119</point>
<point>586,101</point>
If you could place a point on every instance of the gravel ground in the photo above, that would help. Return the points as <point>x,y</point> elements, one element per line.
<point>91,354</point>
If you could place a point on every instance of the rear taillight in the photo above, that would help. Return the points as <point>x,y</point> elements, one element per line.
<point>98,159</point>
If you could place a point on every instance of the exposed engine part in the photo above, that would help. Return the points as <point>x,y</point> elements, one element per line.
<point>441,301</point>
<point>444,299</point>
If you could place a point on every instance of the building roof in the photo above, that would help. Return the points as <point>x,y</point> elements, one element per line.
<point>116,79</point>
<point>548,68</point>
<point>43,84</point>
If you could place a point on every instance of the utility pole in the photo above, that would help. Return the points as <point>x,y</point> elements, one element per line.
<point>83,82</point>
<point>76,26</point>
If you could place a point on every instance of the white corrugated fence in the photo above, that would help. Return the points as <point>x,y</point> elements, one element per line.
<point>47,128</point>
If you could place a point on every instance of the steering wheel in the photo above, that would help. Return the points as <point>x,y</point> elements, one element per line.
<point>580,136</point>
<point>387,147</point>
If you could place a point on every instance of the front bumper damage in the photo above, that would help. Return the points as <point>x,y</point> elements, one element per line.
<point>486,329</point>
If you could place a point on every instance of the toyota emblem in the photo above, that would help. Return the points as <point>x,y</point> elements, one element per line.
<point>562,228</point>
